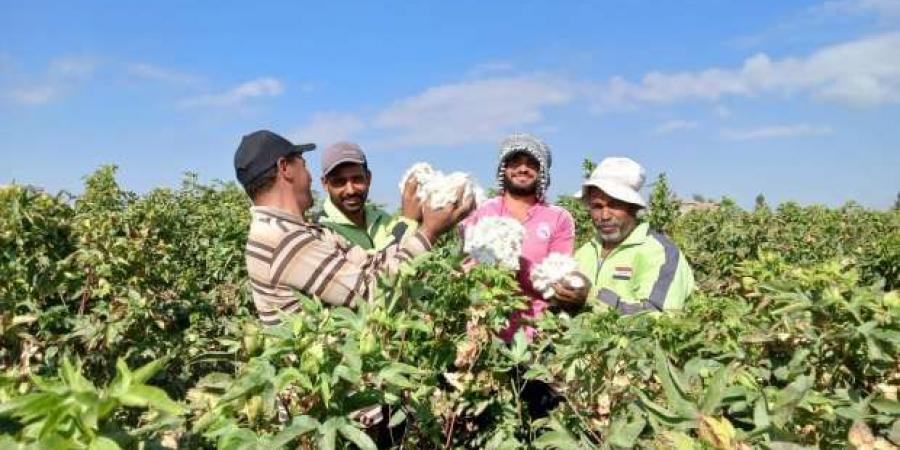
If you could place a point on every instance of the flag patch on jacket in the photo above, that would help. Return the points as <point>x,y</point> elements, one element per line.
<point>622,273</point>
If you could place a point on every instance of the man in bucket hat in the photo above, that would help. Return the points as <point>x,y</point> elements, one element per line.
<point>631,267</point>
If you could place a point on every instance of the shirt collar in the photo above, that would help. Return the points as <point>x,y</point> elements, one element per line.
<point>531,209</point>
<point>278,213</point>
<point>335,215</point>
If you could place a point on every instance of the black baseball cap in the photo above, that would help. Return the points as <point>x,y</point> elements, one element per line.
<point>259,151</point>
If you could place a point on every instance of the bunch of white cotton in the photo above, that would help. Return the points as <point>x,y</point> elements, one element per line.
<point>496,241</point>
<point>554,268</point>
<point>440,190</point>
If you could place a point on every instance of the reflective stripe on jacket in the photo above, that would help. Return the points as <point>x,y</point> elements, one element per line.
<point>644,272</point>
<point>381,229</point>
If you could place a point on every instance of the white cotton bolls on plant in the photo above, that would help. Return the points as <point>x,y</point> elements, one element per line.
<point>440,190</point>
<point>554,268</point>
<point>495,241</point>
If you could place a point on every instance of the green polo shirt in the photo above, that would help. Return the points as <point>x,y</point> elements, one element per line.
<point>381,229</point>
<point>646,271</point>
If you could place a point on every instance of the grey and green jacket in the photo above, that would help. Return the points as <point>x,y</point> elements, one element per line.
<point>645,272</point>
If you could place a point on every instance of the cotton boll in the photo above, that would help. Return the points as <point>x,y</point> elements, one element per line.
<point>421,170</point>
<point>496,241</point>
<point>554,268</point>
<point>440,190</point>
<point>574,282</point>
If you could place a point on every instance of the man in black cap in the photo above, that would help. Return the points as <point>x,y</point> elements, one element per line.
<point>285,253</point>
<point>346,179</point>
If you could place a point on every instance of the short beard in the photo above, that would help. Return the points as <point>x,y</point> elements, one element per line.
<point>617,236</point>
<point>363,197</point>
<point>520,191</point>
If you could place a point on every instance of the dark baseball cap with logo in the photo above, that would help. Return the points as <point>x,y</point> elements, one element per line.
<point>259,151</point>
<point>340,153</point>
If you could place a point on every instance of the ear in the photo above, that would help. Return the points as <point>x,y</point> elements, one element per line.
<point>324,181</point>
<point>284,166</point>
<point>369,175</point>
<point>635,210</point>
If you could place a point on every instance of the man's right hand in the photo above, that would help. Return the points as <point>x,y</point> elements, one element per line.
<point>436,221</point>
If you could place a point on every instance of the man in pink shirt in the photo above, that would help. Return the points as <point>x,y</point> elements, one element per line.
<point>523,177</point>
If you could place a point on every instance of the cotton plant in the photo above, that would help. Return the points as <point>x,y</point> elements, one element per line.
<point>439,189</point>
<point>495,241</point>
<point>555,268</point>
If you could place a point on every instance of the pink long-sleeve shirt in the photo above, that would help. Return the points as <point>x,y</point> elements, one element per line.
<point>548,229</point>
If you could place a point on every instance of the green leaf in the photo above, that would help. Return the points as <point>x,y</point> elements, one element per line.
<point>394,375</point>
<point>150,396</point>
<point>660,412</point>
<point>104,443</point>
<point>625,434</point>
<point>676,440</point>
<point>558,437</point>
<point>347,374</point>
<point>298,427</point>
<point>761,414</point>
<point>357,437</point>
<point>328,433</point>
<point>397,418</point>
<point>147,371</point>
<point>886,406</point>
<point>712,397</point>
<point>675,392</point>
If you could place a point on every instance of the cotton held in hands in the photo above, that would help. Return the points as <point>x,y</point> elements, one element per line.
<point>555,268</point>
<point>440,190</point>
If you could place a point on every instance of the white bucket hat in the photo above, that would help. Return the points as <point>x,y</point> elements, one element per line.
<point>620,178</point>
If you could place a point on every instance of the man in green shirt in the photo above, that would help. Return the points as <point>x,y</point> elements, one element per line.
<point>346,179</point>
<point>631,268</point>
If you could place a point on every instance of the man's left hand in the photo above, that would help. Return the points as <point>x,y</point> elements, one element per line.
<point>410,203</point>
<point>570,297</point>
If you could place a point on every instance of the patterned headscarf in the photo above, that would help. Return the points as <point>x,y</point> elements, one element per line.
<point>534,146</point>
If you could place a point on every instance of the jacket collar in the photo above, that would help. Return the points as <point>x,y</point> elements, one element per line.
<point>637,236</point>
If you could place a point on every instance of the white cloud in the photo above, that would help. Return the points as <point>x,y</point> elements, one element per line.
<point>307,87</point>
<point>861,73</point>
<point>61,77</point>
<point>260,87</point>
<point>152,72</point>
<point>675,125</point>
<point>723,111</point>
<point>473,111</point>
<point>776,132</point>
<point>73,67</point>
<point>325,128</point>
<point>34,95</point>
<point>883,9</point>
<point>492,68</point>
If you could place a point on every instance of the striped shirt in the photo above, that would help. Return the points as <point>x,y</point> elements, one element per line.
<point>284,255</point>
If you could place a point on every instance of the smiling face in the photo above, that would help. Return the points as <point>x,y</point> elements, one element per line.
<point>348,187</point>
<point>614,219</point>
<point>521,174</point>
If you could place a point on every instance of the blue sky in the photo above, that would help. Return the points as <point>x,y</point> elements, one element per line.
<point>797,100</point>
